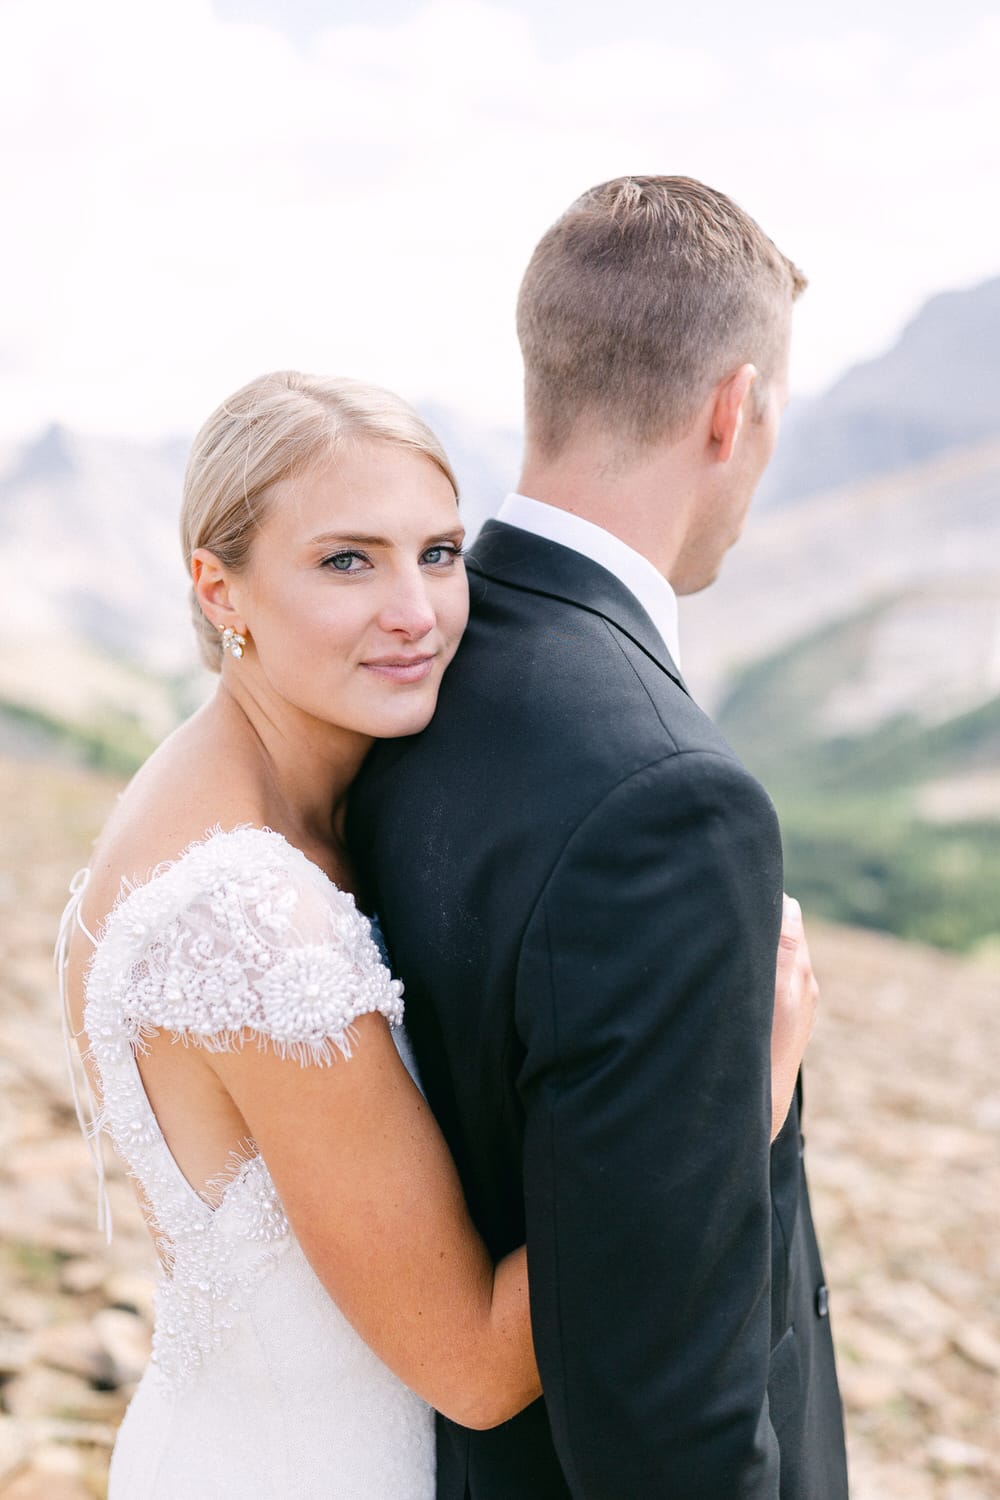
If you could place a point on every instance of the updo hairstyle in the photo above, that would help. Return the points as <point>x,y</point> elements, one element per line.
<point>278,426</point>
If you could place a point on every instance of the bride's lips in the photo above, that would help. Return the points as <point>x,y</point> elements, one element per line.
<point>400,668</point>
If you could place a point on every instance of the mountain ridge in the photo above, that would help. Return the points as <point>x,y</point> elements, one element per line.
<point>935,388</point>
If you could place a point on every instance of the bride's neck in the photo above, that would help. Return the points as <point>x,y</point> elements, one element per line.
<point>300,766</point>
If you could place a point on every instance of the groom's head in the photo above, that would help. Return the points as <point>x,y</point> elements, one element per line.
<point>639,300</point>
<point>654,320</point>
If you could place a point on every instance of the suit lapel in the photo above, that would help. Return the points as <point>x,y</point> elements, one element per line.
<point>521,560</point>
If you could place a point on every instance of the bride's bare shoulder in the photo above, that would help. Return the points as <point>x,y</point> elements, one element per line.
<point>188,786</point>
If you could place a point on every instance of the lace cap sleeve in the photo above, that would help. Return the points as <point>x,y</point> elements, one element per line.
<point>243,938</point>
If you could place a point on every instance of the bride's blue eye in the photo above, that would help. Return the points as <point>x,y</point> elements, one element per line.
<point>443,553</point>
<point>341,562</point>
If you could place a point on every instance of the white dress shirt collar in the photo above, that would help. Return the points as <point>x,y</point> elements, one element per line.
<point>636,572</point>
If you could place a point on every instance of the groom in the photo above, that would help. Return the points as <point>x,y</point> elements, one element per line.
<point>581,887</point>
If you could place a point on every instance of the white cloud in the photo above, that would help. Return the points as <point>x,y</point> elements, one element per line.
<point>189,201</point>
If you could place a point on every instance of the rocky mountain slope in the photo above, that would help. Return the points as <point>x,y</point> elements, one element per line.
<point>94,626</point>
<point>851,651</point>
<point>892,824</point>
<point>935,390</point>
<point>89,547</point>
<point>930,533</point>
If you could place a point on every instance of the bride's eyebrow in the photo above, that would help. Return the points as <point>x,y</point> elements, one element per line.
<point>456,535</point>
<point>338,538</point>
<point>355,539</point>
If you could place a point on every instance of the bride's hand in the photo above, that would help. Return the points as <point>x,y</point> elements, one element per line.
<point>796,997</point>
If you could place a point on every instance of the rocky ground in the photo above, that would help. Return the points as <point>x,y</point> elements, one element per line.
<point>903,1123</point>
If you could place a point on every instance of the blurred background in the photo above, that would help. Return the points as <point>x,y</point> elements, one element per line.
<point>198,192</point>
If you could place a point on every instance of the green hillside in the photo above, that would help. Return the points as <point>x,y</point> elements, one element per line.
<point>114,743</point>
<point>860,846</point>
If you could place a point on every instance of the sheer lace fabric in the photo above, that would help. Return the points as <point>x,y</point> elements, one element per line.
<point>257,1386</point>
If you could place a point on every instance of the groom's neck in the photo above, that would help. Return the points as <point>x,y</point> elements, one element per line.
<point>645,498</point>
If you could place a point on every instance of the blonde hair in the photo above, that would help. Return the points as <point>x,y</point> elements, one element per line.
<point>274,428</point>
<point>646,293</point>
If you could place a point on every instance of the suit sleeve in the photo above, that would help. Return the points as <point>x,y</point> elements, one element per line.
<point>645,992</point>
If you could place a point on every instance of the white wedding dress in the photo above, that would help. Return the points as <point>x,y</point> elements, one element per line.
<point>258,1387</point>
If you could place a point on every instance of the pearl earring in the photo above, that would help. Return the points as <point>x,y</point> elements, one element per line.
<point>233,642</point>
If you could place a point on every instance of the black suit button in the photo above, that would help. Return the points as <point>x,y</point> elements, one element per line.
<point>822,1302</point>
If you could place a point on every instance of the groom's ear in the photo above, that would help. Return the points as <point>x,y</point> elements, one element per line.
<point>730,407</point>
<point>211,583</point>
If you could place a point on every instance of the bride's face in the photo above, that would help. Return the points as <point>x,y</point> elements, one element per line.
<point>355,597</point>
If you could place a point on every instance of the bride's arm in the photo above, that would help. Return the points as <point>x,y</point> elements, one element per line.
<point>371,1192</point>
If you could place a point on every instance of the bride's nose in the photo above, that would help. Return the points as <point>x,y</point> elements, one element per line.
<point>407,609</point>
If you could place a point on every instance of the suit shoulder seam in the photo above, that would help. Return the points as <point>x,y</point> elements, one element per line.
<point>643,687</point>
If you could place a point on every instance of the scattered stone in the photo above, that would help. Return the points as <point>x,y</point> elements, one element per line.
<point>41,1392</point>
<point>42,1486</point>
<point>979,1347</point>
<point>965,1487</point>
<point>26,1310</point>
<point>86,1434</point>
<point>951,1453</point>
<point>132,1291</point>
<point>78,1349</point>
<point>15,1353</point>
<point>987,1112</point>
<point>876,1347</point>
<point>892,1481</point>
<point>15,1446</point>
<point>58,1458</point>
<point>924,1388</point>
<point>125,1340</point>
<point>865,1388</point>
<point>81,1275</point>
<point>915,1309</point>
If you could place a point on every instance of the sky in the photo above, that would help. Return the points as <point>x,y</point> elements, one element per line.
<point>195,192</point>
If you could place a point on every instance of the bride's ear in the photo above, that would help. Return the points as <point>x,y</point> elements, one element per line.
<point>212,588</point>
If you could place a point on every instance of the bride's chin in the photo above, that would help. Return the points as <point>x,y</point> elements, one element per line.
<point>403,719</point>
<point>412,725</point>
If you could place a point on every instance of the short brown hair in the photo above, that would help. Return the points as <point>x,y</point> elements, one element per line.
<point>638,300</point>
<point>276,427</point>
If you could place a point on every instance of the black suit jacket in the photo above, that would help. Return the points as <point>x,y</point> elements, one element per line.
<point>580,886</point>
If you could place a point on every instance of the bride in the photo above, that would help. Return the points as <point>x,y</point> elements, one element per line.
<point>322,1285</point>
